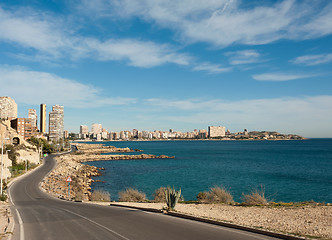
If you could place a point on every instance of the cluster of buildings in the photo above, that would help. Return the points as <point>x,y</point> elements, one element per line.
<point>28,127</point>
<point>99,133</point>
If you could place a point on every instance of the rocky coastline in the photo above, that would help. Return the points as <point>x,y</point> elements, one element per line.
<point>82,174</point>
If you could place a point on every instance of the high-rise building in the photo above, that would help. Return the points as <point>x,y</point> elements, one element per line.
<point>32,114</point>
<point>8,108</point>
<point>23,126</point>
<point>216,131</point>
<point>56,123</point>
<point>84,131</point>
<point>42,118</point>
<point>96,128</point>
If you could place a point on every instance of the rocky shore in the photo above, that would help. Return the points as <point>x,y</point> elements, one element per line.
<point>81,174</point>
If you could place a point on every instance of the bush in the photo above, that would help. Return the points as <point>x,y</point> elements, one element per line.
<point>216,195</point>
<point>131,195</point>
<point>256,197</point>
<point>159,195</point>
<point>79,197</point>
<point>100,195</point>
<point>3,197</point>
<point>202,197</point>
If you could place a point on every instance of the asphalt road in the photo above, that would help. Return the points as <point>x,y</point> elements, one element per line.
<point>39,216</point>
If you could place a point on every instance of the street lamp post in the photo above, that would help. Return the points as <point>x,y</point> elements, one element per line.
<point>2,163</point>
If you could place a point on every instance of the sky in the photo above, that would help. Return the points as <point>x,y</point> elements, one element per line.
<point>162,64</point>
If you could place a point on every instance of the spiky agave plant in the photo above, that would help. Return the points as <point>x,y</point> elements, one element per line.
<point>172,197</point>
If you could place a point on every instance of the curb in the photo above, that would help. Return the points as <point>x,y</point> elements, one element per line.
<point>10,227</point>
<point>222,224</point>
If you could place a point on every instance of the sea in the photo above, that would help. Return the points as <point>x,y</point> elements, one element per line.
<point>288,171</point>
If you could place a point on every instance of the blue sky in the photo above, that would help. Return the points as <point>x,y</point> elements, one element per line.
<point>161,64</point>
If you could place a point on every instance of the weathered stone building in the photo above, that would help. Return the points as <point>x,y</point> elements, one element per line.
<point>8,108</point>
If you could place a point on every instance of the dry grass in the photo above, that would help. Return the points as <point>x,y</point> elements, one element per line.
<point>216,195</point>
<point>255,198</point>
<point>100,195</point>
<point>159,195</point>
<point>132,195</point>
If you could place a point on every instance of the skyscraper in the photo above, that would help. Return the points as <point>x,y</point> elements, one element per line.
<point>32,114</point>
<point>96,128</point>
<point>84,131</point>
<point>8,108</point>
<point>56,123</point>
<point>42,118</point>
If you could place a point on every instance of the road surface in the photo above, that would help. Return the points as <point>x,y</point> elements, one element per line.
<point>40,216</point>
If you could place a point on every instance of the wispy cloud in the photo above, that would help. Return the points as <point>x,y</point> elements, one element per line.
<point>311,60</point>
<point>31,87</point>
<point>243,57</point>
<point>52,41</point>
<point>211,68</point>
<point>226,22</point>
<point>311,115</point>
<point>279,77</point>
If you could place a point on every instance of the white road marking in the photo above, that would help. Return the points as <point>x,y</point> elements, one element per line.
<point>102,226</point>
<point>21,225</point>
<point>17,213</point>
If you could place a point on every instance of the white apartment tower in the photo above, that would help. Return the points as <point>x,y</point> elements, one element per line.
<point>56,123</point>
<point>216,131</point>
<point>84,131</point>
<point>96,128</point>
<point>32,114</point>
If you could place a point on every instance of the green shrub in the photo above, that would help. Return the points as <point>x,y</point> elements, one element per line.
<point>159,195</point>
<point>256,197</point>
<point>172,197</point>
<point>132,195</point>
<point>3,197</point>
<point>100,195</point>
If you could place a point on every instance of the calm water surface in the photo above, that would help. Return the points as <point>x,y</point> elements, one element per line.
<point>289,170</point>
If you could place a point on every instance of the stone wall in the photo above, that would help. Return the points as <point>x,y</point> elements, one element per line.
<point>30,155</point>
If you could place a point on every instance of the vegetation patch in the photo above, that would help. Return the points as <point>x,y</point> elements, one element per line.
<point>216,195</point>
<point>99,195</point>
<point>132,195</point>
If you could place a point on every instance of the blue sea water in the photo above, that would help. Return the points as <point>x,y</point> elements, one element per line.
<point>290,171</point>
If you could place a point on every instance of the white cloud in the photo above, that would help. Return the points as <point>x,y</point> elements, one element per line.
<point>138,53</point>
<point>227,22</point>
<point>31,87</point>
<point>279,77</point>
<point>243,57</point>
<point>50,40</point>
<point>310,116</point>
<point>211,68</point>
<point>311,60</point>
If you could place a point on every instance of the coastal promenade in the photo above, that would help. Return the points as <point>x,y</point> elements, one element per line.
<point>40,216</point>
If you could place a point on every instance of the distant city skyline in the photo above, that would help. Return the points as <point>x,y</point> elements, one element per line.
<point>260,65</point>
